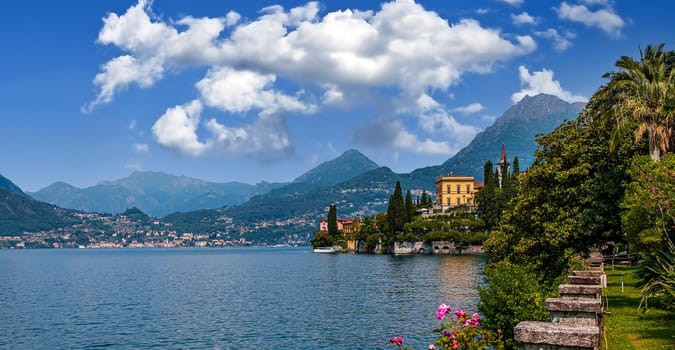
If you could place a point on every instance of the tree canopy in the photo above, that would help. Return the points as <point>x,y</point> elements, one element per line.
<point>641,98</point>
<point>569,199</point>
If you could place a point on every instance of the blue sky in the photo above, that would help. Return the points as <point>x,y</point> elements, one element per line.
<point>263,90</point>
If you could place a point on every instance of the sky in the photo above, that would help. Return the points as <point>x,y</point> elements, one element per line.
<point>266,90</point>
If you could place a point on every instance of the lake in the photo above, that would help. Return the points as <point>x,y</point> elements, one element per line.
<point>231,298</point>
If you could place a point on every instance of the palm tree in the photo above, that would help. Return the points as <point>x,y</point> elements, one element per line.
<point>641,96</point>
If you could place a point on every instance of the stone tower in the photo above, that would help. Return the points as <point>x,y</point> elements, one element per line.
<point>503,165</point>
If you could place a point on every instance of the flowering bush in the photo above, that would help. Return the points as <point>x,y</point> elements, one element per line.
<point>458,333</point>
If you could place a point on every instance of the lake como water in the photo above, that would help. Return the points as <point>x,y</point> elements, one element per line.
<point>232,298</point>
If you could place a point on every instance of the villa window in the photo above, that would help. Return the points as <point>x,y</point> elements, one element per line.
<point>459,201</point>
<point>468,188</point>
<point>458,189</point>
<point>449,189</point>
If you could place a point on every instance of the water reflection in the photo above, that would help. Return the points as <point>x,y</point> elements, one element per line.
<point>460,275</point>
<point>226,298</point>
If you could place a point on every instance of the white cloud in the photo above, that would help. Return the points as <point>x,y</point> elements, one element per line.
<point>240,91</point>
<point>141,148</point>
<point>561,42</point>
<point>433,118</point>
<point>596,2</point>
<point>605,19</point>
<point>333,96</point>
<point>523,18</point>
<point>392,134</point>
<point>401,45</point>
<point>542,82</point>
<point>336,58</point>
<point>469,109</point>
<point>482,11</point>
<point>132,124</point>
<point>513,2</point>
<point>269,133</point>
<point>177,129</point>
<point>118,73</point>
<point>232,18</point>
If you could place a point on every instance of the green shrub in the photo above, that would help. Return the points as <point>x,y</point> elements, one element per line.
<point>322,239</point>
<point>656,271</point>
<point>479,237</point>
<point>512,294</point>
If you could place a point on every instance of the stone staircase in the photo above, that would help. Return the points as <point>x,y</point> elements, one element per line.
<point>576,316</point>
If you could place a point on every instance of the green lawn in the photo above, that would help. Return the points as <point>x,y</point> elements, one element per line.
<point>626,328</point>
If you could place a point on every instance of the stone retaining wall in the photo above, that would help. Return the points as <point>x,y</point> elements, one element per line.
<point>435,247</point>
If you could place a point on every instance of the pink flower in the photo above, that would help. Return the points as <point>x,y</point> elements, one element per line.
<point>432,347</point>
<point>460,313</point>
<point>442,310</point>
<point>472,322</point>
<point>476,315</point>
<point>396,340</point>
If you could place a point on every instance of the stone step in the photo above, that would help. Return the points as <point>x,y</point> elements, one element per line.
<point>588,273</point>
<point>556,334</point>
<point>579,291</point>
<point>584,280</point>
<point>574,305</point>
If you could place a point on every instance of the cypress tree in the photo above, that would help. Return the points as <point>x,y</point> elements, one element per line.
<point>488,203</point>
<point>332,221</point>
<point>391,212</point>
<point>409,208</point>
<point>516,167</point>
<point>423,201</point>
<point>487,174</point>
<point>396,213</point>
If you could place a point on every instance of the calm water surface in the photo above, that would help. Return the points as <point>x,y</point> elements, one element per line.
<point>237,298</point>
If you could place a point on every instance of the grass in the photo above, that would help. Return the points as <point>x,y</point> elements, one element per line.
<point>628,328</point>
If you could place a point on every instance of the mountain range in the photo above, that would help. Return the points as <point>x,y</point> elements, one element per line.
<point>155,193</point>
<point>8,185</point>
<point>297,208</point>
<point>516,129</point>
<point>277,213</point>
<point>20,213</point>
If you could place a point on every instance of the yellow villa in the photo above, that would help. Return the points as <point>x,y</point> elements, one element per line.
<point>456,190</point>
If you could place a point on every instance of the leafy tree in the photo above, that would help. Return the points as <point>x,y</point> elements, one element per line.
<point>569,198</point>
<point>642,93</point>
<point>322,239</point>
<point>649,215</point>
<point>649,223</point>
<point>368,227</point>
<point>409,208</point>
<point>332,221</point>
